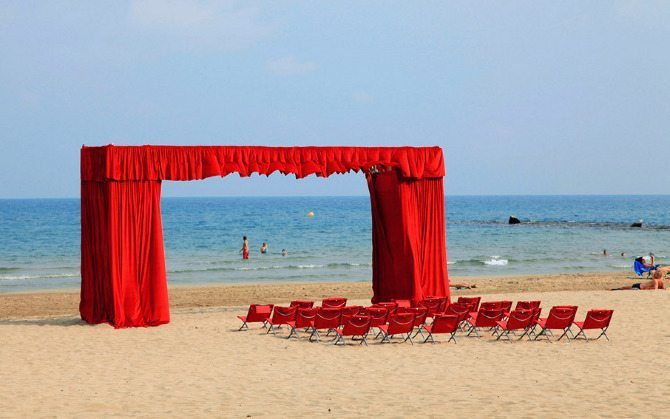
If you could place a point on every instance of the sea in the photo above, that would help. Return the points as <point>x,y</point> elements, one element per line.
<point>40,238</point>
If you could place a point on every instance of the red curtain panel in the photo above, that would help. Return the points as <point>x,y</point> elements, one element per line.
<point>409,258</point>
<point>123,261</point>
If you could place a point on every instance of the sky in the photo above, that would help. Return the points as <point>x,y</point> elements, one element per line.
<point>525,97</point>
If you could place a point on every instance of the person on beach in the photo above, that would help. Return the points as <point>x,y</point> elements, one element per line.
<point>264,248</point>
<point>656,283</point>
<point>461,285</point>
<point>245,248</point>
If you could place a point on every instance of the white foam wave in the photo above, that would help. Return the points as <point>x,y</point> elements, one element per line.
<point>496,261</point>
<point>450,263</point>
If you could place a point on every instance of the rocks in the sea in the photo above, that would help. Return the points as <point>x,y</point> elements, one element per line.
<point>513,220</point>
<point>637,224</point>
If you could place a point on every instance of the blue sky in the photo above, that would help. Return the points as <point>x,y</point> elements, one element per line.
<point>526,97</point>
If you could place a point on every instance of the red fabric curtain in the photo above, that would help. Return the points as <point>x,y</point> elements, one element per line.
<point>123,262</point>
<point>199,162</point>
<point>409,253</point>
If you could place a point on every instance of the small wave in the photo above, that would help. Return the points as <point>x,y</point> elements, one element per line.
<point>8,269</point>
<point>450,263</point>
<point>264,268</point>
<point>496,261</point>
<point>621,266</point>
<point>25,277</point>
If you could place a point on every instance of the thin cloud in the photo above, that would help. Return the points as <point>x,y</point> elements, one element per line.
<point>362,96</point>
<point>222,25</point>
<point>289,66</point>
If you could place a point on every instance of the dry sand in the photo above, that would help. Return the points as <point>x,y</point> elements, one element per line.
<point>199,365</point>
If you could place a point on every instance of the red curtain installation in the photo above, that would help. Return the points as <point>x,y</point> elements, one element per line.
<point>123,262</point>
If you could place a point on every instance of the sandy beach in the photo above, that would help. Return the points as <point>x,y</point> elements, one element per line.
<point>200,365</point>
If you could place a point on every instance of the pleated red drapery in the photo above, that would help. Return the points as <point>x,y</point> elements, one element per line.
<point>409,251</point>
<point>123,262</point>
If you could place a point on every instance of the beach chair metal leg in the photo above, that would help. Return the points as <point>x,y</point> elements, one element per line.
<point>243,327</point>
<point>409,338</point>
<point>430,336</point>
<point>565,333</point>
<point>294,331</point>
<point>452,337</point>
<point>315,333</point>
<point>603,333</point>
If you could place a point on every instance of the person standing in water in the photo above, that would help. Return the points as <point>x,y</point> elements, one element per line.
<point>264,248</point>
<point>245,248</point>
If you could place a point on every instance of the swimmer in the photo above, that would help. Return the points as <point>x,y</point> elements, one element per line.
<point>604,252</point>
<point>245,248</point>
<point>284,252</point>
<point>264,248</point>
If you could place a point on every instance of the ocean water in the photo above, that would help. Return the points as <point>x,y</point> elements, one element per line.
<point>39,239</point>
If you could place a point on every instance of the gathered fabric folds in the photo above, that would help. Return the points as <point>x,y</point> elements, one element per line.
<point>123,278</point>
<point>198,162</point>
<point>409,251</point>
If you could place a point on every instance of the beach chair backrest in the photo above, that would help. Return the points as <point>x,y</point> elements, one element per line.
<point>491,305</point>
<point>527,305</point>
<point>472,301</point>
<point>488,317</point>
<point>302,303</point>
<point>334,302</point>
<point>462,310</point>
<point>561,317</point>
<point>598,319</point>
<point>348,312</point>
<point>390,306</point>
<point>357,325</point>
<point>378,315</point>
<point>305,317</point>
<point>283,315</point>
<point>432,305</point>
<point>519,319</point>
<point>639,268</point>
<point>259,312</point>
<point>506,306</point>
<point>401,323</point>
<point>327,318</point>
<point>445,323</point>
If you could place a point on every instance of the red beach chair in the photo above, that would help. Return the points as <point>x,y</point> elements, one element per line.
<point>595,319</point>
<point>302,303</point>
<point>484,318</point>
<point>559,318</point>
<point>357,325</point>
<point>433,305</point>
<point>442,324</point>
<point>326,319</point>
<point>420,315</point>
<point>304,319</point>
<point>390,306</point>
<point>257,313</point>
<point>334,302</point>
<point>281,315</point>
<point>472,301</point>
<point>348,312</point>
<point>378,315</point>
<point>399,324</point>
<point>462,310</point>
<point>517,320</point>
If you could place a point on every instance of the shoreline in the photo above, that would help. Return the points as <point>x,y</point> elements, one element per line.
<point>47,303</point>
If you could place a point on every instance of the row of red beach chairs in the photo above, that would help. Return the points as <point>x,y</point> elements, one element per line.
<point>432,316</point>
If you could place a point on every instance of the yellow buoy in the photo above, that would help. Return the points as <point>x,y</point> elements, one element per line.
<point>310,214</point>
